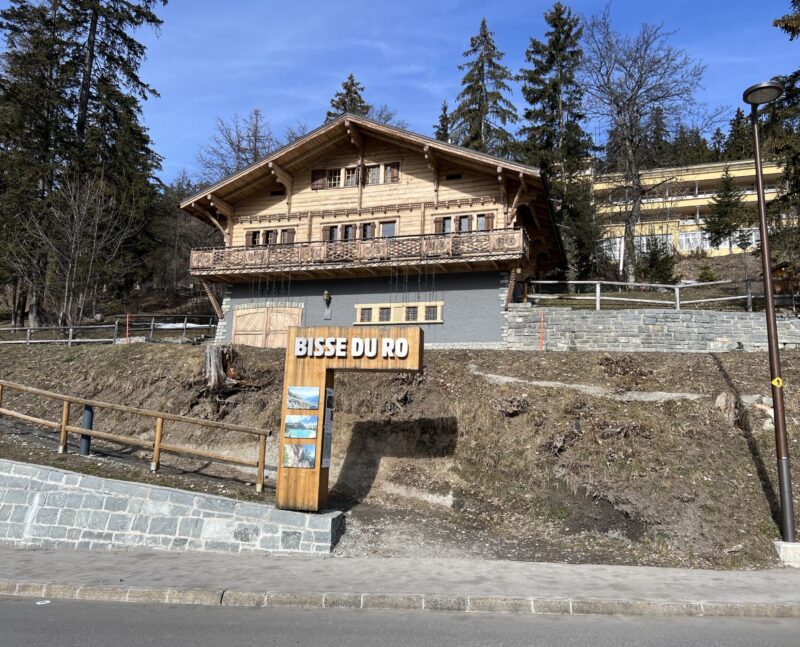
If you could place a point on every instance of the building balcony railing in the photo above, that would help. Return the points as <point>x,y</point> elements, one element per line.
<point>458,249</point>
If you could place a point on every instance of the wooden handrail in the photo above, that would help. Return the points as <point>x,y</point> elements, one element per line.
<point>156,445</point>
<point>142,412</point>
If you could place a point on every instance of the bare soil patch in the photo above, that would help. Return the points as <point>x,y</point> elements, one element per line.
<point>446,463</point>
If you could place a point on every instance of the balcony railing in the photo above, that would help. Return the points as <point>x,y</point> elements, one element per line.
<point>496,245</point>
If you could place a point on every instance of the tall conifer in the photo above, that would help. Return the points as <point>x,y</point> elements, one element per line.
<point>554,140</point>
<point>483,109</point>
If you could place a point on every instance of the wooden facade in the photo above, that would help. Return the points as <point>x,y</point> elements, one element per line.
<point>359,198</point>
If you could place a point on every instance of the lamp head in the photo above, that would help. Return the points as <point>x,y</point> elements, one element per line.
<point>762,93</point>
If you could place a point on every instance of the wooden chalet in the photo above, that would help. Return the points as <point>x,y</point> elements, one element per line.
<point>363,223</point>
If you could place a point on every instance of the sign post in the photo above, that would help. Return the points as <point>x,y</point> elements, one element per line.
<point>312,356</point>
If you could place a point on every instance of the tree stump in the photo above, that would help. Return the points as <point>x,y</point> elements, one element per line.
<point>218,359</point>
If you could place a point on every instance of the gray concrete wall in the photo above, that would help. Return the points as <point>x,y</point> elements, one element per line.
<point>472,313</point>
<point>642,330</point>
<point>52,508</point>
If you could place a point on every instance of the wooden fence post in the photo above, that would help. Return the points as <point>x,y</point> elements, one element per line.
<point>62,443</point>
<point>28,336</point>
<point>597,288</point>
<point>152,327</point>
<point>157,445</point>
<point>677,297</point>
<point>185,320</point>
<point>69,340</point>
<point>262,454</point>
<point>116,330</point>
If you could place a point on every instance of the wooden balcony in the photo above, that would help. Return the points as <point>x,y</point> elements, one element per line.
<point>441,252</point>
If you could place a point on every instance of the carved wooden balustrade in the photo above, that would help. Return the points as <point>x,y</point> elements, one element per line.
<point>437,249</point>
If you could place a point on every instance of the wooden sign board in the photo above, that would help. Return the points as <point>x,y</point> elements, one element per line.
<point>312,355</point>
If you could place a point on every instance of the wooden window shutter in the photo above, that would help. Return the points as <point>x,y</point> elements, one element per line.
<point>438,225</point>
<point>290,235</point>
<point>489,221</point>
<point>318,179</point>
<point>326,233</point>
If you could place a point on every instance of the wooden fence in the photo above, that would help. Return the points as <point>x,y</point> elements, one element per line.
<point>123,328</point>
<point>156,445</point>
<point>667,295</point>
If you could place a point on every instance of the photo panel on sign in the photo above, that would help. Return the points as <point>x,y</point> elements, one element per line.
<point>301,426</point>
<point>302,456</point>
<point>302,397</point>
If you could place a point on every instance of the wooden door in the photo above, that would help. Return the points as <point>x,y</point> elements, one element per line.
<point>264,327</point>
<point>279,320</point>
<point>249,326</point>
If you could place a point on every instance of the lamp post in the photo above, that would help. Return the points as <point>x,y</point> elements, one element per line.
<point>757,95</point>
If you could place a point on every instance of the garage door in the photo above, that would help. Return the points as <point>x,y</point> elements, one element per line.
<point>264,327</point>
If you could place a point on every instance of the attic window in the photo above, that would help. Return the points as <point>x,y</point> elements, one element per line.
<point>391,173</point>
<point>454,176</point>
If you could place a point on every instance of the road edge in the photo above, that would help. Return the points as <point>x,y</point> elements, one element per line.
<point>530,605</point>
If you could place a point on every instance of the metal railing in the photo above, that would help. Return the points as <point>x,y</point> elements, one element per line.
<point>670,295</point>
<point>123,328</point>
<point>156,445</point>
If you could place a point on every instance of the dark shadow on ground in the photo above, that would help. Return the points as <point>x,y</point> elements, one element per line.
<point>744,424</point>
<point>371,440</point>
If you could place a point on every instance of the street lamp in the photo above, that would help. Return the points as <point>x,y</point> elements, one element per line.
<point>757,95</point>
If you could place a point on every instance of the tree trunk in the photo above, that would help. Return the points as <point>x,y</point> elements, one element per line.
<point>218,359</point>
<point>86,76</point>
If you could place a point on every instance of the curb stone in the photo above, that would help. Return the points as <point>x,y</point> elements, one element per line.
<point>404,602</point>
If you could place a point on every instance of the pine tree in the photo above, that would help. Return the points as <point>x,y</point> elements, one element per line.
<point>442,132</point>
<point>689,147</point>
<point>554,140</point>
<point>484,110</point>
<point>70,124</point>
<point>660,151</point>
<point>717,147</point>
<point>36,104</point>
<point>739,144</point>
<point>727,214</point>
<point>790,23</point>
<point>553,134</point>
<point>348,99</point>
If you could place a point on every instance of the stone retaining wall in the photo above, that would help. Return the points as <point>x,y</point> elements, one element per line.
<point>642,330</point>
<point>52,508</point>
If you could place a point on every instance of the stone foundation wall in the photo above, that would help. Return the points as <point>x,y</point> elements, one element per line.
<point>52,508</point>
<point>642,330</point>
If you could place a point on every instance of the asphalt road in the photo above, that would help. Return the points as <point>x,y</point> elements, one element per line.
<point>63,623</point>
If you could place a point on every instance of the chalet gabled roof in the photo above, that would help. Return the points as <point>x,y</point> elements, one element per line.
<point>333,132</point>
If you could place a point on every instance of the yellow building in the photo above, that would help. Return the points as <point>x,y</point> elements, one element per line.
<point>676,202</point>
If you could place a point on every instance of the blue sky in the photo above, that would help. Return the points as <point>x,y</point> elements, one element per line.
<point>213,59</point>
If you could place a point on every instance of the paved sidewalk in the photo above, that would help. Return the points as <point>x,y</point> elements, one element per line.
<point>424,584</point>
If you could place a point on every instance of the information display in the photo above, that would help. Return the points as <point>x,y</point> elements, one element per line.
<point>312,356</point>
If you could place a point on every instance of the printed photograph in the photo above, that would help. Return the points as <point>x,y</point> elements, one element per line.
<point>304,456</point>
<point>303,397</point>
<point>301,426</point>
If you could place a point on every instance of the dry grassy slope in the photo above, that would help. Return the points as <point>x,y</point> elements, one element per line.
<point>672,483</point>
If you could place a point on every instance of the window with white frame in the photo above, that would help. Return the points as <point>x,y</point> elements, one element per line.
<point>334,176</point>
<point>430,312</point>
<point>351,176</point>
<point>374,174</point>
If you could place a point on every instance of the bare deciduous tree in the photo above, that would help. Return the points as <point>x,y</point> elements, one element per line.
<point>626,79</point>
<point>81,234</point>
<point>237,144</point>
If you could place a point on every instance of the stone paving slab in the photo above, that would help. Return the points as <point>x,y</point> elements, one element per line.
<point>407,584</point>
